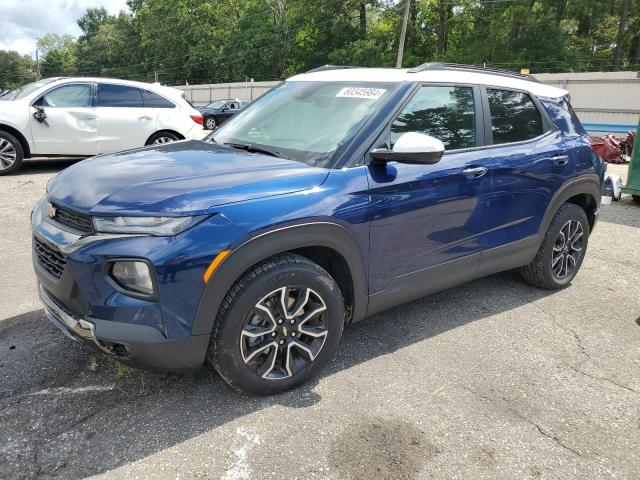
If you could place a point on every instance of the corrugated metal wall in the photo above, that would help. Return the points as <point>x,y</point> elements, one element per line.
<point>220,91</point>
<point>609,98</point>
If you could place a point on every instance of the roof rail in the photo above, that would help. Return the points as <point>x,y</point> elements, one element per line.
<point>329,67</point>
<point>470,68</point>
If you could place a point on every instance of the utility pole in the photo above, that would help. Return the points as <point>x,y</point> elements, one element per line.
<point>155,76</point>
<point>403,34</point>
<point>37,65</point>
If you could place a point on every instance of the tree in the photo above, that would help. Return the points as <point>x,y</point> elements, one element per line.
<point>57,54</point>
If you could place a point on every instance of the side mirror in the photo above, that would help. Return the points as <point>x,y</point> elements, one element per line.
<point>40,115</point>
<point>411,147</point>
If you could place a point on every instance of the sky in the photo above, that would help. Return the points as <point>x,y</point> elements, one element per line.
<point>24,21</point>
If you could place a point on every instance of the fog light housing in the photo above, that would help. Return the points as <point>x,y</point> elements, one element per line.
<point>134,276</point>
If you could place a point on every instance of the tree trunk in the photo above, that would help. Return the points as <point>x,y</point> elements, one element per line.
<point>622,29</point>
<point>363,18</point>
<point>636,55</point>
<point>442,31</point>
<point>560,8</point>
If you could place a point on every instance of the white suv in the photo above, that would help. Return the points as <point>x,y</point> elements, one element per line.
<point>89,116</point>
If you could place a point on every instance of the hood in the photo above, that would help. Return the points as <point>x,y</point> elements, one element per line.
<point>181,178</point>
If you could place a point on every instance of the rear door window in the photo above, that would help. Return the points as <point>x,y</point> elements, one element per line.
<point>119,96</point>
<point>443,112</point>
<point>514,116</point>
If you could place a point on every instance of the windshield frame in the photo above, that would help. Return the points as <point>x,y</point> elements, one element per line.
<point>208,106</point>
<point>17,93</point>
<point>332,159</point>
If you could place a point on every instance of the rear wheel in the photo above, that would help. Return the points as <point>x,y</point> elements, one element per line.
<point>162,137</point>
<point>11,153</point>
<point>278,326</point>
<point>562,251</point>
<point>636,198</point>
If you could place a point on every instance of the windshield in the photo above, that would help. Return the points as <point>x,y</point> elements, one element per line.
<point>216,104</point>
<point>306,121</point>
<point>25,90</point>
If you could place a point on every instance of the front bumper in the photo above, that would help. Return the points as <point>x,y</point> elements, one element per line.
<point>138,345</point>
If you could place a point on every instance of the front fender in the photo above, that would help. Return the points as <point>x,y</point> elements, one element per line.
<point>270,243</point>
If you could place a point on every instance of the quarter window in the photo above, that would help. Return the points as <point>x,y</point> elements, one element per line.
<point>69,96</point>
<point>119,96</point>
<point>444,112</point>
<point>514,116</point>
<point>154,100</point>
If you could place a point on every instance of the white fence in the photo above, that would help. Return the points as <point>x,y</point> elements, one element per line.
<point>604,101</point>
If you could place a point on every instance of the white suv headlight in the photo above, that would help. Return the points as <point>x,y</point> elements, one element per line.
<point>146,225</point>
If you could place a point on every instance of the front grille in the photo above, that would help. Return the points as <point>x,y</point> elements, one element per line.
<point>51,259</point>
<point>78,221</point>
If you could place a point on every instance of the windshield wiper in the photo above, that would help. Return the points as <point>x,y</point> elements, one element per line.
<point>255,149</point>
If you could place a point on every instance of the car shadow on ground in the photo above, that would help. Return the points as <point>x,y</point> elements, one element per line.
<point>51,428</point>
<point>45,165</point>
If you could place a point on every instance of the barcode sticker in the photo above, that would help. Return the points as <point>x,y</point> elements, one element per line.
<point>361,92</point>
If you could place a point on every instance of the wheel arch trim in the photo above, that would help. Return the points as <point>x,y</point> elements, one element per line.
<point>588,184</point>
<point>272,242</point>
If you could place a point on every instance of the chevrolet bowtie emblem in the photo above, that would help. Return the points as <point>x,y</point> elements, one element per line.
<point>51,211</point>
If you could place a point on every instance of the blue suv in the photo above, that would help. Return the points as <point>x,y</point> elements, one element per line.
<point>340,193</point>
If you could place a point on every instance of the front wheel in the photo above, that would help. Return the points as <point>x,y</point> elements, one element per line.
<point>278,326</point>
<point>11,153</point>
<point>562,251</point>
<point>210,123</point>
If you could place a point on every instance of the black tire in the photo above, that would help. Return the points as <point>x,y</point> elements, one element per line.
<point>228,342</point>
<point>540,272</point>
<point>636,198</point>
<point>210,123</point>
<point>158,136</point>
<point>11,159</point>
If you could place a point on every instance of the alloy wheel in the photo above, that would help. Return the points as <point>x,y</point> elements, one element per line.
<point>163,139</point>
<point>567,249</point>
<point>8,154</point>
<point>284,332</point>
<point>210,123</point>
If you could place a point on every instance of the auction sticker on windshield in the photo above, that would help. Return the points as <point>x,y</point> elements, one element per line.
<point>361,92</point>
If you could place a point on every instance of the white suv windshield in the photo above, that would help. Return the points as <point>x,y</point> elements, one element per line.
<point>306,121</point>
<point>25,90</point>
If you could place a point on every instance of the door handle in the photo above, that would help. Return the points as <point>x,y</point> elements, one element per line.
<point>560,159</point>
<point>475,172</point>
<point>144,117</point>
<point>91,117</point>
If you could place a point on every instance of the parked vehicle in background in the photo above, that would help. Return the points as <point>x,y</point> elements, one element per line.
<point>338,194</point>
<point>219,111</point>
<point>89,116</point>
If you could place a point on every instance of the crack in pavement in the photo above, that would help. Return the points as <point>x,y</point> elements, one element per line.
<point>583,350</point>
<point>524,418</point>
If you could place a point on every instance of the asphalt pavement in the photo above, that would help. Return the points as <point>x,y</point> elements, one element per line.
<point>492,379</point>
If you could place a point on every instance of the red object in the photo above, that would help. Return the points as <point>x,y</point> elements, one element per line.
<point>197,118</point>
<point>608,147</point>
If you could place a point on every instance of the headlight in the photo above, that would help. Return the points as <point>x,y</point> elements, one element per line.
<point>148,225</point>
<point>133,275</point>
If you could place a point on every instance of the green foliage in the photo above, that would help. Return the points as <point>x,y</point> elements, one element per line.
<point>229,40</point>
<point>15,69</point>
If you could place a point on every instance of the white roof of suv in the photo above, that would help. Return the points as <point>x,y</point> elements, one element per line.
<point>460,75</point>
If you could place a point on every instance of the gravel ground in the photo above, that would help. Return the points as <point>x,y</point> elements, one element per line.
<point>492,379</point>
